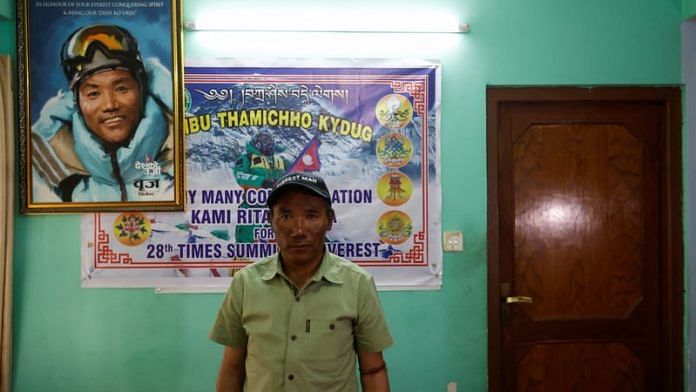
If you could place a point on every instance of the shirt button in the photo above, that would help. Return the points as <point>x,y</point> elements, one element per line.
<point>293,337</point>
<point>331,326</point>
<point>291,377</point>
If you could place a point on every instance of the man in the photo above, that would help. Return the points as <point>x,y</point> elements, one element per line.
<point>114,142</point>
<point>296,320</point>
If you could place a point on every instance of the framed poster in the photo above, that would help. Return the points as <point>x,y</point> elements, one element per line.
<point>370,128</point>
<point>100,119</point>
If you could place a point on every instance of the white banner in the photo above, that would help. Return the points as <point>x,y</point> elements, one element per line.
<point>371,129</point>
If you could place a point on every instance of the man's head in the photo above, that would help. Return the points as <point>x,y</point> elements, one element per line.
<point>301,215</point>
<point>106,73</point>
<point>263,142</point>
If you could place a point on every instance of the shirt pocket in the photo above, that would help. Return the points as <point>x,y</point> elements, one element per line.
<point>328,339</point>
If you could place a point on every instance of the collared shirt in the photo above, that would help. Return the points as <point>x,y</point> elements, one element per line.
<point>302,340</point>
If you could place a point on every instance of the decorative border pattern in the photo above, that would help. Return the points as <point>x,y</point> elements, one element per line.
<point>414,255</point>
<point>103,252</point>
<point>417,90</point>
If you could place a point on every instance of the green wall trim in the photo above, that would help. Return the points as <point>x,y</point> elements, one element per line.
<point>688,9</point>
<point>7,8</point>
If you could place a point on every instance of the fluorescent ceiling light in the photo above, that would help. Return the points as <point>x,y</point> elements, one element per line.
<point>334,21</point>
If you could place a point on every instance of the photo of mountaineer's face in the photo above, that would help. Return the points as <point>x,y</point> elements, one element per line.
<point>110,102</point>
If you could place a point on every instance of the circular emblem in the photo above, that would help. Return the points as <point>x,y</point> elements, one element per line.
<point>394,188</point>
<point>308,160</point>
<point>187,101</point>
<point>394,111</point>
<point>394,150</point>
<point>132,228</point>
<point>394,227</point>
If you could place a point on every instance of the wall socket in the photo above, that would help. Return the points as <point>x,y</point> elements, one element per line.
<point>453,241</point>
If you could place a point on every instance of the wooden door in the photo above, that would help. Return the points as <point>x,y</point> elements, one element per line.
<point>585,259</point>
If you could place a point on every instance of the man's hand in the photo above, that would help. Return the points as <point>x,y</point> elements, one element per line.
<point>232,373</point>
<point>373,372</point>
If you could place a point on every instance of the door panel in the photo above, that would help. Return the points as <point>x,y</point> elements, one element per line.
<point>592,366</point>
<point>578,221</point>
<point>577,258</point>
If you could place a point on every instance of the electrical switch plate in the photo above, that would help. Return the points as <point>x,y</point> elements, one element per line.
<point>453,241</point>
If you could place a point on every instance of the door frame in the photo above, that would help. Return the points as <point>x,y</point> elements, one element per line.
<point>670,209</point>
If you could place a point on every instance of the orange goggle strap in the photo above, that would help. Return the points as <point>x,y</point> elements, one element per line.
<point>116,45</point>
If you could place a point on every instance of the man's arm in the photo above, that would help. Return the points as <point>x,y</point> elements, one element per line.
<point>232,373</point>
<point>373,372</point>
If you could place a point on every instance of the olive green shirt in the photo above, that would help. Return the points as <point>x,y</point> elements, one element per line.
<point>302,340</point>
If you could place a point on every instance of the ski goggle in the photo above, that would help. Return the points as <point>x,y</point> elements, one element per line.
<point>115,43</point>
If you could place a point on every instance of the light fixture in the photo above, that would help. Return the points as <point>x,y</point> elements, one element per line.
<point>329,21</point>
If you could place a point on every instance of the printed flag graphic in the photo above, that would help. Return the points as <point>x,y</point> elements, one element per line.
<point>308,160</point>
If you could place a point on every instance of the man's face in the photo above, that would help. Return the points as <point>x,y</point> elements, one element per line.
<point>264,143</point>
<point>111,104</point>
<point>300,222</point>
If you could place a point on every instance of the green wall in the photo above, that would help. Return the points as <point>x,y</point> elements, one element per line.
<point>688,8</point>
<point>72,339</point>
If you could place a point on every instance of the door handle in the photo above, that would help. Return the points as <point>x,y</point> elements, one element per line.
<point>518,299</point>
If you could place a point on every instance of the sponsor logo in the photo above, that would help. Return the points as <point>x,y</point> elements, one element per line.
<point>149,167</point>
<point>146,187</point>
